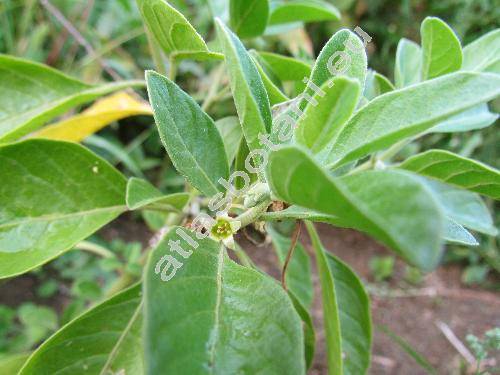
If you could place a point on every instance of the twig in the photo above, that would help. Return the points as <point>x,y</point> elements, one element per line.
<point>78,37</point>
<point>95,249</point>
<point>457,344</point>
<point>293,244</point>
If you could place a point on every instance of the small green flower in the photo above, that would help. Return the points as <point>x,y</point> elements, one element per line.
<point>223,230</point>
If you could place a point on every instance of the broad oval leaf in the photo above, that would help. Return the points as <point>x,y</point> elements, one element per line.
<point>456,233</point>
<point>394,116</point>
<point>248,18</point>
<point>408,63</point>
<point>475,118</point>
<point>104,340</point>
<point>299,272</point>
<point>302,11</point>
<point>441,49</point>
<point>369,201</point>
<point>352,306</point>
<point>320,124</point>
<point>142,195</point>
<point>173,32</point>
<point>102,113</point>
<point>188,134</point>
<point>214,316</point>
<point>344,54</point>
<point>456,170</point>
<point>250,97</point>
<point>483,54</point>
<point>32,94</point>
<point>452,231</point>
<point>53,195</point>
<point>463,207</point>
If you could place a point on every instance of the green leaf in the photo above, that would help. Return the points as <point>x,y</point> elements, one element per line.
<point>344,54</point>
<point>455,233</point>
<point>441,49</point>
<point>188,134</point>
<point>463,207</point>
<point>105,339</point>
<point>214,316</point>
<point>408,63</point>
<point>38,322</point>
<point>331,318</point>
<point>286,68</point>
<point>456,170</point>
<point>309,333</point>
<point>248,18</point>
<point>12,363</point>
<point>475,118</point>
<point>32,94</point>
<point>302,11</point>
<point>369,201</point>
<point>319,125</point>
<point>376,85</point>
<point>483,54</point>
<point>239,165</point>
<point>142,195</point>
<point>404,113</point>
<point>299,270</point>
<point>230,131</point>
<point>173,32</point>
<point>53,195</point>
<point>355,319</point>
<point>117,152</point>
<point>346,314</point>
<point>273,92</point>
<point>250,97</point>
<point>452,231</point>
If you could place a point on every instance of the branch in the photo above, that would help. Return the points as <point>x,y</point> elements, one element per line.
<point>293,244</point>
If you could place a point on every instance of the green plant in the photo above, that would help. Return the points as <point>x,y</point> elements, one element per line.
<point>481,347</point>
<point>325,156</point>
<point>382,268</point>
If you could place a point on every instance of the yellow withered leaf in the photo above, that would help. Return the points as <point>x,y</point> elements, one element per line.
<point>100,114</point>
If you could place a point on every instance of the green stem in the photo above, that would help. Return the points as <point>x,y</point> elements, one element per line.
<point>156,54</point>
<point>95,249</point>
<point>172,73</point>
<point>253,213</point>
<point>393,150</point>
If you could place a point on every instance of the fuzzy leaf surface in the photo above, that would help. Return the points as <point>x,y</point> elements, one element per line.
<point>189,135</point>
<point>217,317</point>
